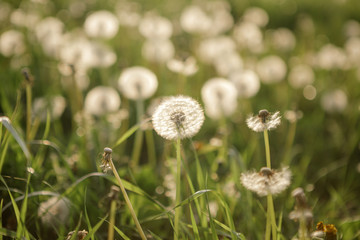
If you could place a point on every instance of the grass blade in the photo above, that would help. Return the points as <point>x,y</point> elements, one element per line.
<point>121,233</point>
<point>193,223</point>
<point>6,122</point>
<point>96,227</point>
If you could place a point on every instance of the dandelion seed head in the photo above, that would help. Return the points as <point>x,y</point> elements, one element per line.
<point>220,97</point>
<point>155,27</point>
<point>12,43</point>
<point>55,105</point>
<point>264,120</point>
<point>249,36</point>
<point>271,69</point>
<point>178,117</point>
<point>331,57</point>
<point>283,39</point>
<point>246,82</point>
<point>301,75</point>
<point>158,50</point>
<point>212,48</point>
<point>55,211</point>
<point>267,181</point>
<point>227,63</point>
<point>137,83</point>
<point>102,100</point>
<point>257,16</point>
<point>334,101</point>
<point>186,67</point>
<point>102,24</point>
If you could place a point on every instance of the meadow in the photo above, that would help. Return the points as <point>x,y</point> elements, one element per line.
<point>152,119</point>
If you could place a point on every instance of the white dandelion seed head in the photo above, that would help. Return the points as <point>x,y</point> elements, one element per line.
<point>246,82</point>
<point>56,106</point>
<point>102,100</point>
<point>194,20</point>
<point>155,27</point>
<point>178,117</point>
<point>55,211</point>
<point>271,69</point>
<point>101,24</point>
<point>48,27</point>
<point>137,83</point>
<point>331,57</point>
<point>249,36</point>
<point>12,43</point>
<point>352,48</point>
<point>227,63</point>
<point>211,48</point>
<point>266,181</point>
<point>283,39</point>
<point>351,28</point>
<point>128,13</point>
<point>334,101</point>
<point>220,97</point>
<point>186,67</point>
<point>256,15</point>
<point>300,76</point>
<point>158,50</point>
<point>264,120</point>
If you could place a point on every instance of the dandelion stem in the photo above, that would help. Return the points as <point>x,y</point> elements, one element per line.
<point>267,148</point>
<point>268,225</point>
<point>127,200</point>
<point>139,134</point>
<point>112,220</point>
<point>178,190</point>
<point>270,218</point>
<point>28,112</point>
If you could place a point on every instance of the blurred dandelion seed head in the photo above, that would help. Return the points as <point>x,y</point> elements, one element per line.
<point>212,48</point>
<point>249,37</point>
<point>267,181</point>
<point>178,117</point>
<point>155,27</point>
<point>246,82</point>
<point>158,50</point>
<point>186,67</point>
<point>334,101</point>
<point>101,24</point>
<point>56,106</point>
<point>55,211</point>
<point>220,97</point>
<point>137,83</point>
<point>102,100</point>
<point>271,69</point>
<point>12,43</point>
<point>264,120</point>
<point>300,76</point>
<point>256,15</point>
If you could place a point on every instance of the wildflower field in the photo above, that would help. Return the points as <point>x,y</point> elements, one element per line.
<point>149,119</point>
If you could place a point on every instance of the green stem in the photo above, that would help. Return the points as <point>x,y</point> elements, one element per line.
<point>150,148</point>
<point>272,216</point>
<point>178,190</point>
<point>112,220</point>
<point>127,200</point>
<point>268,224</point>
<point>28,113</point>
<point>139,134</point>
<point>267,149</point>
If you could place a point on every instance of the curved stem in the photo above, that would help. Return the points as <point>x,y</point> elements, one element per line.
<point>127,200</point>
